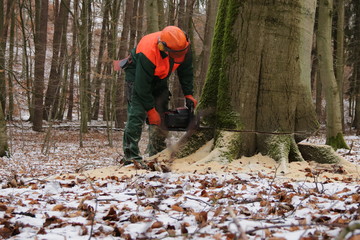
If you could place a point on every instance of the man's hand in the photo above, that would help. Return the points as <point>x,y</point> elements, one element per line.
<point>190,102</point>
<point>153,117</point>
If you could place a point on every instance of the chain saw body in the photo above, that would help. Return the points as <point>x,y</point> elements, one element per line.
<point>178,119</point>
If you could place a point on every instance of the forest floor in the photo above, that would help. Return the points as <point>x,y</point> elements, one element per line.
<point>56,190</point>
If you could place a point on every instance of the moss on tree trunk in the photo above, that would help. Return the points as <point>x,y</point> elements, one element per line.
<point>319,153</point>
<point>257,93</point>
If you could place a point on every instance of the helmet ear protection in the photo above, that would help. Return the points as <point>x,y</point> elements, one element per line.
<point>161,45</point>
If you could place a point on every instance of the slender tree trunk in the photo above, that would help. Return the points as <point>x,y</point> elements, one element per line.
<point>133,25</point>
<point>11,64</point>
<point>334,135</point>
<point>4,148</point>
<point>171,12</point>
<point>98,78</point>
<point>185,23</point>
<point>26,69</point>
<point>340,54</point>
<point>152,18</point>
<point>4,26</point>
<point>161,13</point>
<point>356,66</point>
<point>73,62</point>
<point>211,11</point>
<point>139,28</point>
<point>120,103</point>
<point>52,92</point>
<point>111,48</point>
<point>84,46</point>
<point>40,42</point>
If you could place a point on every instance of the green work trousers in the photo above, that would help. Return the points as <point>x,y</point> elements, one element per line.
<point>136,118</point>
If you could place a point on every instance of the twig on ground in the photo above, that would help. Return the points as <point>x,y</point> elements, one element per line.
<point>95,209</point>
<point>296,225</point>
<point>242,235</point>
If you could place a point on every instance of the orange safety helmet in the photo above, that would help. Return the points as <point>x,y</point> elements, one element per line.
<point>174,41</point>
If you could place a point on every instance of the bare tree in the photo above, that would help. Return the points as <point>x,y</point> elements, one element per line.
<point>334,134</point>
<point>53,88</point>
<point>73,61</point>
<point>211,11</point>
<point>4,26</point>
<point>152,18</point>
<point>4,148</point>
<point>40,41</point>
<point>98,78</point>
<point>120,110</point>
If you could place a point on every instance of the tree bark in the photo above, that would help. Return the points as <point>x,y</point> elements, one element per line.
<point>211,12</point>
<point>4,26</point>
<point>356,66</point>
<point>98,78</point>
<point>340,36</point>
<point>40,41</point>
<point>73,62</point>
<point>139,27</point>
<point>334,135</point>
<point>120,103</point>
<point>52,93</point>
<point>84,45</point>
<point>152,18</point>
<point>10,66</point>
<point>4,148</point>
<point>257,93</point>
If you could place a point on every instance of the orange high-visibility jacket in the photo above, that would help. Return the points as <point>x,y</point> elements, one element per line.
<point>153,68</point>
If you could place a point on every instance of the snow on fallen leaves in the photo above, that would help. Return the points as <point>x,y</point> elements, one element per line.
<point>173,206</point>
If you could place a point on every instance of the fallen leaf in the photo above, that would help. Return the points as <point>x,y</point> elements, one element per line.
<point>59,207</point>
<point>177,208</point>
<point>157,224</point>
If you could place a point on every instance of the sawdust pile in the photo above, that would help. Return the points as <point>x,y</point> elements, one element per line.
<point>207,160</point>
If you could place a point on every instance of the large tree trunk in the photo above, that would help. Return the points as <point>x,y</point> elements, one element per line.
<point>257,94</point>
<point>334,135</point>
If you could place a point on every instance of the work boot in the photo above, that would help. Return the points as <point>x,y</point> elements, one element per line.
<point>125,162</point>
<point>140,164</point>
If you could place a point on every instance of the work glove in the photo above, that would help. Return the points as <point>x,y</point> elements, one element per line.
<point>190,102</point>
<point>116,65</point>
<point>153,117</point>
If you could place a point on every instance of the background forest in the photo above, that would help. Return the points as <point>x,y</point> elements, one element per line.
<point>55,56</point>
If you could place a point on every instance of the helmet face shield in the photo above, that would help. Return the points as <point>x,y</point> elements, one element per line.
<point>176,53</point>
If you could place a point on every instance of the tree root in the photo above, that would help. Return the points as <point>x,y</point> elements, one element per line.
<point>319,153</point>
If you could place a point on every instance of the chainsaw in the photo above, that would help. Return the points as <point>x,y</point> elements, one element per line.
<point>178,119</point>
